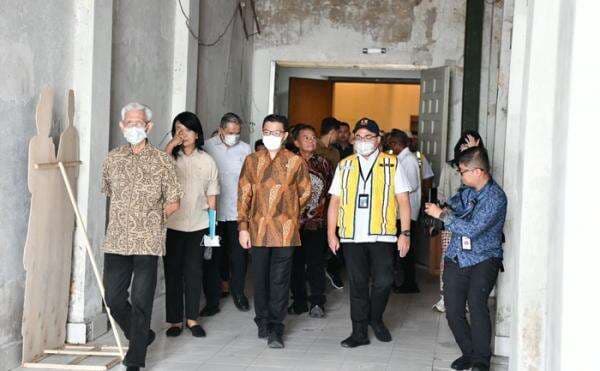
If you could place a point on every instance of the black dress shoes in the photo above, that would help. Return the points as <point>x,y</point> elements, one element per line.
<point>241,303</point>
<point>353,342</point>
<point>381,332</point>
<point>275,340</point>
<point>197,331</point>
<point>462,363</point>
<point>174,331</point>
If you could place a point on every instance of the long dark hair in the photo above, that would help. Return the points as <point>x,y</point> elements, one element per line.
<point>190,121</point>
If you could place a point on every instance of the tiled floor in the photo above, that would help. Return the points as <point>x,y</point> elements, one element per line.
<point>421,341</point>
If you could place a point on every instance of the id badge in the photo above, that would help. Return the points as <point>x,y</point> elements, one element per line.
<point>363,201</point>
<point>466,243</point>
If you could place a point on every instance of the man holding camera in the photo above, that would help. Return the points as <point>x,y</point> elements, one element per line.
<point>475,216</point>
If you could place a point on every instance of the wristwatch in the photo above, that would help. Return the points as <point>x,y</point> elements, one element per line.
<point>405,233</point>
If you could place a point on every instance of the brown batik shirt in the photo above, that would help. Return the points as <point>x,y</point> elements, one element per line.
<point>139,186</point>
<point>271,196</point>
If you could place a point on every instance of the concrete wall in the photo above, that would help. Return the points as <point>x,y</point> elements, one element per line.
<point>224,69</point>
<point>498,33</point>
<point>69,44</point>
<point>551,127</point>
<point>418,34</point>
<point>573,327</point>
<point>35,53</point>
<point>142,61</point>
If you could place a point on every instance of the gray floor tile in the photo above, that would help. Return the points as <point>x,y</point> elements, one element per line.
<point>421,340</point>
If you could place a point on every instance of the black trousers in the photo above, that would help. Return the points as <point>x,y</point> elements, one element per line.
<point>365,261</point>
<point>234,262</point>
<point>473,285</point>
<point>271,268</point>
<point>334,262</point>
<point>133,318</point>
<point>405,268</point>
<point>183,274</point>
<point>309,265</point>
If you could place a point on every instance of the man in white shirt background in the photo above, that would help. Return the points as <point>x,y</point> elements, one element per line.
<point>426,170</point>
<point>398,142</point>
<point>230,260</point>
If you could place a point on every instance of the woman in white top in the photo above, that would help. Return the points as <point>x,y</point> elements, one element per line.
<point>197,172</point>
<point>450,182</point>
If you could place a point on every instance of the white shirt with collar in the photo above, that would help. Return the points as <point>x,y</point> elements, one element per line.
<point>410,163</point>
<point>427,170</point>
<point>362,217</point>
<point>229,161</point>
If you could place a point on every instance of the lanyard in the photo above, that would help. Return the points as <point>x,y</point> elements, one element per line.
<point>368,175</point>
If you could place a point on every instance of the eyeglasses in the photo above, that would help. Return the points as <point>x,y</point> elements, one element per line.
<point>462,172</point>
<point>365,138</point>
<point>276,133</point>
<point>134,124</point>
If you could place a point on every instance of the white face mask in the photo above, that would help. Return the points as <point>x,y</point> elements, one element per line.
<point>135,135</point>
<point>364,148</point>
<point>272,142</point>
<point>231,139</point>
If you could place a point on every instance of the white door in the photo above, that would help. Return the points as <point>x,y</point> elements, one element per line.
<point>433,116</point>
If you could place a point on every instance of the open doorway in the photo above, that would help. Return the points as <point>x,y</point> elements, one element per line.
<point>407,99</point>
<point>391,104</point>
<point>414,101</point>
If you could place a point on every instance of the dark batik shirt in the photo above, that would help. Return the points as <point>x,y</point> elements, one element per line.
<point>321,174</point>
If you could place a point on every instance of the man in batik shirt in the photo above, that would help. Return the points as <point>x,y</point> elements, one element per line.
<point>274,188</point>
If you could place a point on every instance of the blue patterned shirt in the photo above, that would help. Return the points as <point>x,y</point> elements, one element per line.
<point>480,216</point>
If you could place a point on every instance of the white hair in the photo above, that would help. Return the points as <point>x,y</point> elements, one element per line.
<point>134,106</point>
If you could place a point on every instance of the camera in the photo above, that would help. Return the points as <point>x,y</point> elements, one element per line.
<point>427,221</point>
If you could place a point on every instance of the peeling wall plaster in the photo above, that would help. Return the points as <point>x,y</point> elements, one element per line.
<point>417,34</point>
<point>286,22</point>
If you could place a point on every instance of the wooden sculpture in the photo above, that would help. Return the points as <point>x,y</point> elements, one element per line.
<point>47,257</point>
<point>52,181</point>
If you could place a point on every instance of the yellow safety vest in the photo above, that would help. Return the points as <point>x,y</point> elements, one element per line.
<point>382,213</point>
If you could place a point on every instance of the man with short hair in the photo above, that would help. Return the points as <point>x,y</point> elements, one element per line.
<point>367,191</point>
<point>142,185</point>
<point>398,142</point>
<point>229,152</point>
<point>475,216</point>
<point>274,188</point>
<point>343,144</point>
<point>329,134</point>
<point>326,148</point>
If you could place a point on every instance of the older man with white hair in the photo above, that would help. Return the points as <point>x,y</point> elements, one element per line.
<point>142,185</point>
